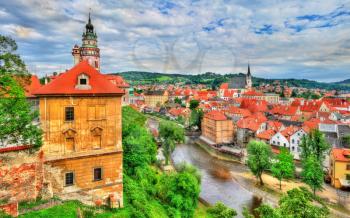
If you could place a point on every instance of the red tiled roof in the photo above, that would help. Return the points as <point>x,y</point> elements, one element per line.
<point>341,154</point>
<point>266,134</point>
<point>274,125</point>
<point>249,123</point>
<point>238,111</point>
<point>118,81</point>
<point>284,110</point>
<point>289,131</point>
<point>34,85</point>
<point>215,115</point>
<point>224,86</point>
<point>65,83</point>
<point>253,93</point>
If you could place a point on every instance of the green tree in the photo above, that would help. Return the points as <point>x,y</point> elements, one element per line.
<point>346,140</point>
<point>297,203</point>
<point>170,134</point>
<point>17,118</point>
<point>194,104</point>
<point>177,100</point>
<point>314,144</point>
<point>9,61</point>
<point>139,148</point>
<point>220,210</point>
<point>196,118</point>
<point>180,191</point>
<point>258,161</point>
<point>312,173</point>
<point>283,167</point>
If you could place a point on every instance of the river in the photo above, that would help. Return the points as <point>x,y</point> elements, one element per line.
<point>217,184</point>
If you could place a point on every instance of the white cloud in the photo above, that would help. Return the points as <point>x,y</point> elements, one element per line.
<point>138,36</point>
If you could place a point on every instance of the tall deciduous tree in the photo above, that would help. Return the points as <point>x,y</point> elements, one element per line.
<point>314,144</point>
<point>312,173</point>
<point>196,118</point>
<point>17,119</point>
<point>170,134</point>
<point>283,167</point>
<point>258,161</point>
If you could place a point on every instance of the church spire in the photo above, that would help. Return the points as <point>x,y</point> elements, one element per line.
<point>248,74</point>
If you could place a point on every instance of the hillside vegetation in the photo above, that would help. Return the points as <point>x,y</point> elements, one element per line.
<point>140,77</point>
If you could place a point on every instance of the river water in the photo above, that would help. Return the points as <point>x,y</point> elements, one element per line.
<point>217,183</point>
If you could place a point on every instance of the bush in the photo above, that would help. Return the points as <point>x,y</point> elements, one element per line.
<point>219,210</point>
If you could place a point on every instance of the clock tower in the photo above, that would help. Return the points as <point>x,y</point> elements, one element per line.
<point>89,50</point>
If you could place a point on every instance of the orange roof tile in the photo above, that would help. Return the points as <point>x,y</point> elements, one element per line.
<point>267,135</point>
<point>65,83</point>
<point>341,154</point>
<point>215,115</point>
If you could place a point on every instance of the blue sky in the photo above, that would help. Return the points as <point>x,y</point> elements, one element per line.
<point>280,38</point>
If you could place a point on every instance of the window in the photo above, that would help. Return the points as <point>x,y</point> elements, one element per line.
<point>293,141</point>
<point>69,113</point>
<point>83,81</point>
<point>69,179</point>
<point>348,167</point>
<point>347,176</point>
<point>97,174</point>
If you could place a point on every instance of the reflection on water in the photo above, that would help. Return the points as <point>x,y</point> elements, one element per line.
<point>217,182</point>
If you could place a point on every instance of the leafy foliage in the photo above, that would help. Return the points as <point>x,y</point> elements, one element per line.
<point>297,203</point>
<point>147,192</point>
<point>17,119</point>
<point>314,144</point>
<point>312,173</point>
<point>180,191</point>
<point>283,167</point>
<point>139,148</point>
<point>219,210</point>
<point>258,161</point>
<point>194,104</point>
<point>213,80</point>
<point>196,118</point>
<point>170,134</point>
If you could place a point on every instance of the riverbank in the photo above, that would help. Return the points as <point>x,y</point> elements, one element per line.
<point>217,154</point>
<point>270,192</point>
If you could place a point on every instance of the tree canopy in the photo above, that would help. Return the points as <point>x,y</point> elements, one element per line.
<point>283,166</point>
<point>18,120</point>
<point>170,134</point>
<point>314,144</point>
<point>258,161</point>
<point>297,203</point>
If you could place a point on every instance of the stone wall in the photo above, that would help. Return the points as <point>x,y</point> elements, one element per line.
<point>11,209</point>
<point>21,176</point>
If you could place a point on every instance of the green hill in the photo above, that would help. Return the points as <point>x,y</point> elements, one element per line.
<point>209,78</point>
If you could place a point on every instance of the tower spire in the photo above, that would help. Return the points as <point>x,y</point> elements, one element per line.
<point>89,16</point>
<point>248,73</point>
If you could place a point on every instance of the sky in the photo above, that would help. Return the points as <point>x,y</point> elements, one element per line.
<point>279,38</point>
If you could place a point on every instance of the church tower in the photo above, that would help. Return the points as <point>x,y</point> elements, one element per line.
<point>89,50</point>
<point>248,78</point>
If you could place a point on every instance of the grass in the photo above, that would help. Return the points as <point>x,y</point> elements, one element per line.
<point>69,210</point>
<point>201,211</point>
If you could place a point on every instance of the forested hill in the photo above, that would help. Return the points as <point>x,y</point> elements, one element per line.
<point>139,77</point>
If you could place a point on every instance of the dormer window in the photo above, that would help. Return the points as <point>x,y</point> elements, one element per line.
<point>83,82</point>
